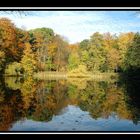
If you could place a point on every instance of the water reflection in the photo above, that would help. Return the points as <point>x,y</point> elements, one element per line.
<point>59,101</point>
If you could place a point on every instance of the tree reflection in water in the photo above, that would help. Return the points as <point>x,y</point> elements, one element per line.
<point>41,100</point>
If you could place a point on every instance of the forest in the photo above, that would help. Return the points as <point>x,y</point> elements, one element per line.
<point>25,53</point>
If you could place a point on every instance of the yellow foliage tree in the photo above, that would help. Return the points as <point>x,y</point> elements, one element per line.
<point>28,61</point>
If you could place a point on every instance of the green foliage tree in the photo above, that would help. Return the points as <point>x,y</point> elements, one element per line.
<point>96,52</point>
<point>83,44</point>
<point>73,60</point>
<point>132,57</point>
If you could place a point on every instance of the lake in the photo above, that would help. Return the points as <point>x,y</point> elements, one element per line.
<point>69,105</point>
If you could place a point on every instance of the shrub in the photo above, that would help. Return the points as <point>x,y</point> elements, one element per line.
<point>14,69</point>
<point>81,71</point>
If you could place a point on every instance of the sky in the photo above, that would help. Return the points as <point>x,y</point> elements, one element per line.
<point>78,25</point>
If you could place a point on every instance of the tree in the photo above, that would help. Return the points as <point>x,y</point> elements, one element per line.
<point>113,60</point>
<point>13,69</point>
<point>22,38</point>
<point>2,60</point>
<point>73,61</point>
<point>84,57</point>
<point>46,33</point>
<point>8,39</point>
<point>112,54</point>
<point>74,58</point>
<point>96,52</point>
<point>96,40</point>
<point>124,42</point>
<point>132,57</point>
<point>41,38</point>
<point>28,60</point>
<point>16,12</point>
<point>83,44</point>
<point>61,56</point>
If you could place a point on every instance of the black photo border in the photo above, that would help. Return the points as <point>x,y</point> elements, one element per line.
<point>103,133</point>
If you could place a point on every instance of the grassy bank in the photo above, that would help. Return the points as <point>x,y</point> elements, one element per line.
<point>63,75</point>
<point>50,75</point>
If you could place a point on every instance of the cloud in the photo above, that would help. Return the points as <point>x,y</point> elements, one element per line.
<point>78,25</point>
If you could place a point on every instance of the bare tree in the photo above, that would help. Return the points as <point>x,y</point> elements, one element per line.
<point>16,12</point>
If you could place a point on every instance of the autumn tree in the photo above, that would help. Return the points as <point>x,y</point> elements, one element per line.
<point>113,57</point>
<point>23,37</point>
<point>12,42</point>
<point>8,39</point>
<point>28,60</point>
<point>41,38</point>
<point>124,42</point>
<point>61,55</point>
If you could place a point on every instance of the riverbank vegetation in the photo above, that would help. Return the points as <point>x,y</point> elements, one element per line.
<point>34,52</point>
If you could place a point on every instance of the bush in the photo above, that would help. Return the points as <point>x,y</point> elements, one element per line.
<point>81,71</point>
<point>14,69</point>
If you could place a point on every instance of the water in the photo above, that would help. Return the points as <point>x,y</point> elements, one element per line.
<point>69,105</point>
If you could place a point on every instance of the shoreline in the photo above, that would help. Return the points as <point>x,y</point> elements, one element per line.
<point>57,75</point>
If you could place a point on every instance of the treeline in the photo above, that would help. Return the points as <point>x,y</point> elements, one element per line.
<point>26,52</point>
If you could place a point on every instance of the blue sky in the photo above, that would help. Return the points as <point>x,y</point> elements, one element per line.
<point>79,25</point>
